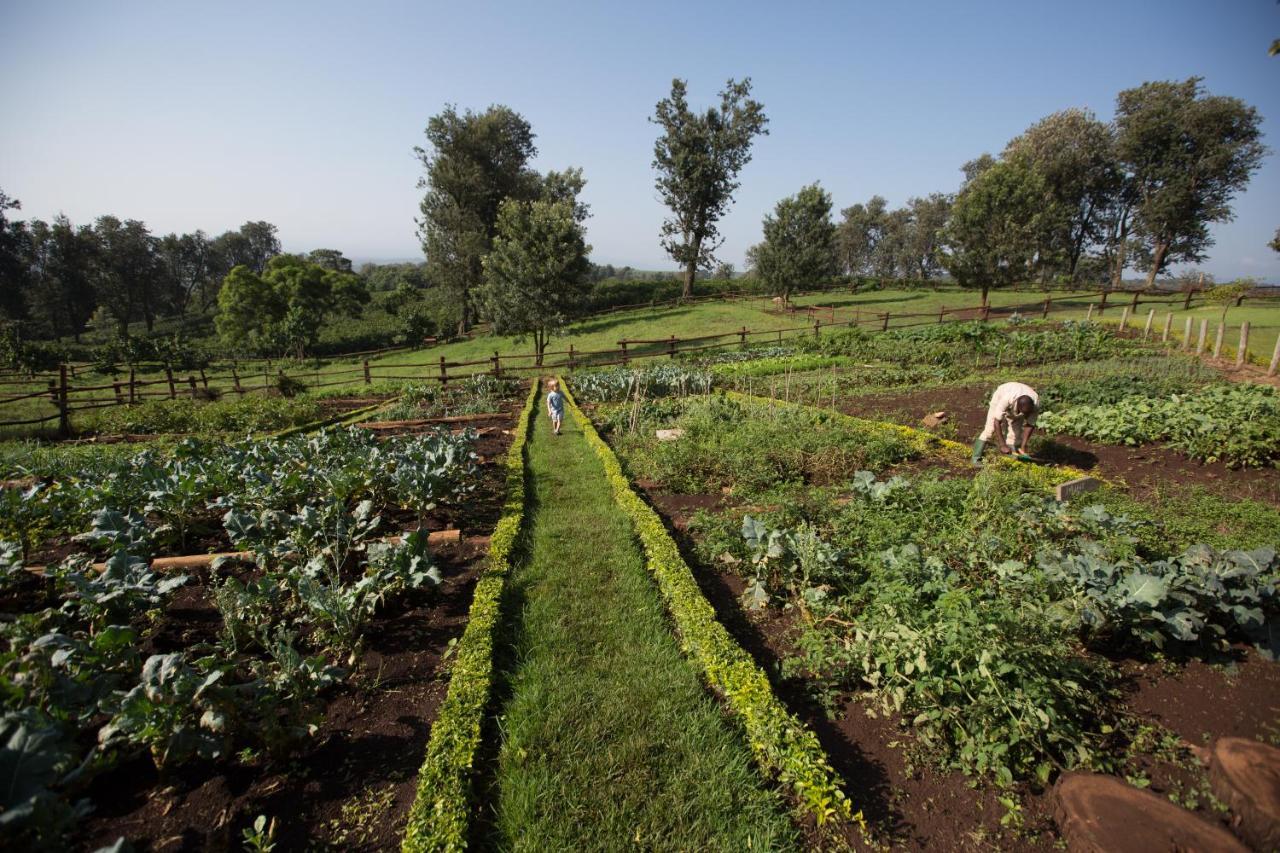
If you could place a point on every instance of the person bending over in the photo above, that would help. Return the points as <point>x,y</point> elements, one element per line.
<point>1012,413</point>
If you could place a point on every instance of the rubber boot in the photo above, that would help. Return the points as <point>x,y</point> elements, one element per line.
<point>978,447</point>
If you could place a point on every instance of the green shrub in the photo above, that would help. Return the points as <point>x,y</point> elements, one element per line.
<point>253,413</point>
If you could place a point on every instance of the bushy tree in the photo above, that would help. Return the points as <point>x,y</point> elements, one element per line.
<point>476,161</point>
<point>698,157</point>
<point>1187,154</point>
<point>1075,155</point>
<point>995,225</point>
<point>282,310</point>
<point>536,276</point>
<point>799,246</point>
<point>858,234</point>
<point>129,269</point>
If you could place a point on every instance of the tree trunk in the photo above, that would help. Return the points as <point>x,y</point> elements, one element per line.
<point>1157,260</point>
<point>690,270</point>
<point>1117,272</point>
<point>985,288</point>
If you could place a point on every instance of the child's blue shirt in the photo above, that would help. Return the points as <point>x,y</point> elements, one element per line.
<point>555,401</point>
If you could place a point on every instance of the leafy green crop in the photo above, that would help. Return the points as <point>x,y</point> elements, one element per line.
<point>1237,423</point>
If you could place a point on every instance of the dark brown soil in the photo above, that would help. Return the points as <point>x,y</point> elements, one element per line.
<point>1143,469</point>
<point>375,728</point>
<point>371,742</point>
<point>913,805</point>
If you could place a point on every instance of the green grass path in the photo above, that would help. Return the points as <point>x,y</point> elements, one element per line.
<point>609,740</point>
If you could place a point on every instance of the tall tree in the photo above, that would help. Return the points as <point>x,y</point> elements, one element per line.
<point>858,233</point>
<point>14,248</point>
<point>799,246</point>
<point>64,268</point>
<point>1275,241</point>
<point>698,158</point>
<point>995,225</point>
<point>129,271</point>
<point>189,264</point>
<point>923,247</point>
<point>1075,154</point>
<point>253,245</point>
<point>475,162</point>
<point>536,274</point>
<point>1187,153</point>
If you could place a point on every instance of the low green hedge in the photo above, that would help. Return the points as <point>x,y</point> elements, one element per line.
<point>780,742</point>
<point>438,819</point>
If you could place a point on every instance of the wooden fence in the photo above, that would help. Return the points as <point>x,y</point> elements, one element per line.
<point>68,398</point>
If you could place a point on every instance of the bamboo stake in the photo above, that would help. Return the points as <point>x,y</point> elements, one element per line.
<point>1146,330</point>
<point>1168,326</point>
<point>1244,344</point>
<point>1217,341</point>
<point>1186,335</point>
<point>1204,328</point>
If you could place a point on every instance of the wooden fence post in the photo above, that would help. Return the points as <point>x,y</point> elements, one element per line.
<point>173,393</point>
<point>204,379</point>
<point>1048,300</point>
<point>815,328</point>
<point>235,380</point>
<point>368,378</point>
<point>986,311</point>
<point>119,392</point>
<point>64,416</point>
<point>571,361</point>
<point>623,345</point>
<point>1275,360</point>
<point>671,347</point>
<point>1124,319</point>
<point>1242,354</point>
<point>497,365</point>
<point>1186,335</point>
<point>132,382</point>
<point>884,322</point>
<point>742,337</point>
<point>444,374</point>
<point>1146,330</point>
<point>1168,327</point>
<point>1088,316</point>
<point>191,383</point>
<point>942,313</point>
<point>1204,330</point>
<point>1217,341</point>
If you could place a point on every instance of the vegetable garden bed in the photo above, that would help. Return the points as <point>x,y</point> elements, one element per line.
<point>299,685</point>
<point>949,622</point>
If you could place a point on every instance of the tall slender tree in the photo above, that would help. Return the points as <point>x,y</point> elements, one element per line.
<point>698,157</point>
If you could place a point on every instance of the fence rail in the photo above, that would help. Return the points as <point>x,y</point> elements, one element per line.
<point>68,398</point>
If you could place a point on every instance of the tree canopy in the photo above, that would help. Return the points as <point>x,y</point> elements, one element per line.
<point>281,311</point>
<point>799,246</point>
<point>995,225</point>
<point>536,274</point>
<point>476,162</point>
<point>698,157</point>
<point>1187,154</point>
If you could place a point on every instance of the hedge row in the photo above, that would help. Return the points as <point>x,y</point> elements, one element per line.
<point>438,819</point>
<point>780,742</point>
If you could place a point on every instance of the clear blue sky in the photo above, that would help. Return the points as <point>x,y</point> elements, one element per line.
<point>203,115</point>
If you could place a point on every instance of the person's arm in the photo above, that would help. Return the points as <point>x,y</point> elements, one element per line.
<point>998,423</point>
<point>1027,431</point>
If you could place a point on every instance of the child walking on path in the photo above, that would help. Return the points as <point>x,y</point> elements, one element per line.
<point>555,405</point>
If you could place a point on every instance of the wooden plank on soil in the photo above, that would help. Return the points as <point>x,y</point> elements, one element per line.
<point>1079,486</point>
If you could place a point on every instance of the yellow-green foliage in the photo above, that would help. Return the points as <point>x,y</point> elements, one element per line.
<point>438,818</point>
<point>780,742</point>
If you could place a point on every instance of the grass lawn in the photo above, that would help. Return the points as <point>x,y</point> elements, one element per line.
<point>609,740</point>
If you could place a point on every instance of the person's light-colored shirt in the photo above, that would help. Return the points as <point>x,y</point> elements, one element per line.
<point>1004,398</point>
<point>555,403</point>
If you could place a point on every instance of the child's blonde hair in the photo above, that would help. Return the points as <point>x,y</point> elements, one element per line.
<point>552,384</point>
